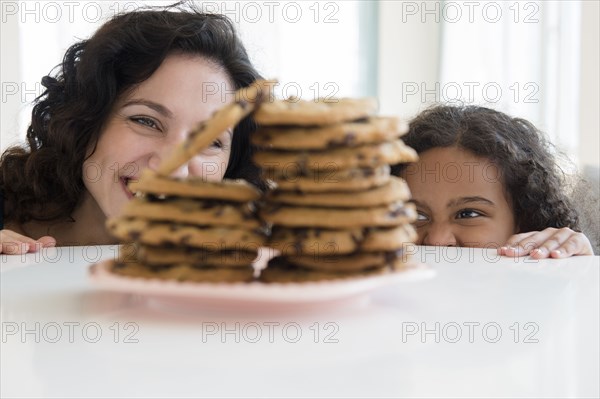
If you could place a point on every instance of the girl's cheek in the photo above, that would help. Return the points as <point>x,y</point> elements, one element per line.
<point>209,167</point>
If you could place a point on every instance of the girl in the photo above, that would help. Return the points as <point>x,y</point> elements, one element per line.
<point>119,103</point>
<point>485,179</point>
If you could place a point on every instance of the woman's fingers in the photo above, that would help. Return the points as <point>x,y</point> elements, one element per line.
<point>12,243</point>
<point>14,248</point>
<point>550,242</point>
<point>47,241</point>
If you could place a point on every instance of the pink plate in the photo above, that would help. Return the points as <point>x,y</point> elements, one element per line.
<point>256,292</point>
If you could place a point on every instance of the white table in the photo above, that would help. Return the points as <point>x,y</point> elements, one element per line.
<point>527,328</point>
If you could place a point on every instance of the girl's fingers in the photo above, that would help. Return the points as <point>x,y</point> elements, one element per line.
<point>550,242</point>
<point>514,240</point>
<point>574,244</point>
<point>538,244</point>
<point>554,242</point>
<point>515,244</point>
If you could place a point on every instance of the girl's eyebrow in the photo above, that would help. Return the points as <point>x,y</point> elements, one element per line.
<point>161,109</point>
<point>468,200</point>
<point>419,204</point>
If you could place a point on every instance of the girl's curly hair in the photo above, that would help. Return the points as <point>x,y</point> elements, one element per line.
<point>43,181</point>
<point>532,179</point>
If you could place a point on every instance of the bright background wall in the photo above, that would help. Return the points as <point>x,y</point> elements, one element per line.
<point>533,59</point>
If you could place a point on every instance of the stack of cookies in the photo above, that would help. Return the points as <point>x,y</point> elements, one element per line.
<point>191,229</point>
<point>336,211</point>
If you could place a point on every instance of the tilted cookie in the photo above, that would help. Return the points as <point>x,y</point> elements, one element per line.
<point>161,233</point>
<point>339,218</point>
<point>351,134</point>
<point>195,187</point>
<point>365,156</point>
<point>345,263</point>
<point>163,256</point>
<point>225,118</point>
<point>323,111</point>
<point>322,242</point>
<point>184,273</point>
<point>196,212</point>
<point>279,270</point>
<point>395,190</point>
<point>345,180</point>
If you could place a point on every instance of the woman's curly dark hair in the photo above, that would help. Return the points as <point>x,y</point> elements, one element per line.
<point>44,181</point>
<point>532,179</point>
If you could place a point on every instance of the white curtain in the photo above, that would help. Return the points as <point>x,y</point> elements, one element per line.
<point>518,57</point>
<point>322,48</point>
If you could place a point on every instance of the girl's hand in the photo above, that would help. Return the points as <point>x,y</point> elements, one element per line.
<point>548,243</point>
<point>12,243</point>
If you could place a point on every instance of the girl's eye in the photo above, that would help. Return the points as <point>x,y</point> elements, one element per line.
<point>422,219</point>
<point>467,214</point>
<point>148,122</point>
<point>217,144</point>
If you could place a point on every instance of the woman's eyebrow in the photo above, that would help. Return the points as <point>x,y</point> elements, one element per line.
<point>467,200</point>
<point>161,109</point>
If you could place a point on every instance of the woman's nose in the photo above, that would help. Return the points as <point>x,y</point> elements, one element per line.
<point>439,234</point>
<point>164,150</point>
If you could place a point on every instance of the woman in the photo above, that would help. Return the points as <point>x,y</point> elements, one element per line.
<point>119,103</point>
<point>485,179</point>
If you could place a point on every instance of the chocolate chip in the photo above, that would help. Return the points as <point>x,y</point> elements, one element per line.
<point>243,104</point>
<point>357,239</point>
<point>390,256</point>
<point>397,211</point>
<point>350,139</point>
<point>368,172</point>
<point>302,233</point>
<point>207,204</point>
<point>152,198</point>
<point>272,208</point>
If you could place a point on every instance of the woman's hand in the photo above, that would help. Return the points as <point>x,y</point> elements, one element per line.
<point>12,243</point>
<point>548,243</point>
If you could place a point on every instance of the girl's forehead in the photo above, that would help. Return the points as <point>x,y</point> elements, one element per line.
<point>451,166</point>
<point>446,158</point>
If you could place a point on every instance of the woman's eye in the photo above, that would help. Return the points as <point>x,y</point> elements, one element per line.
<point>148,122</point>
<point>217,144</point>
<point>467,214</point>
